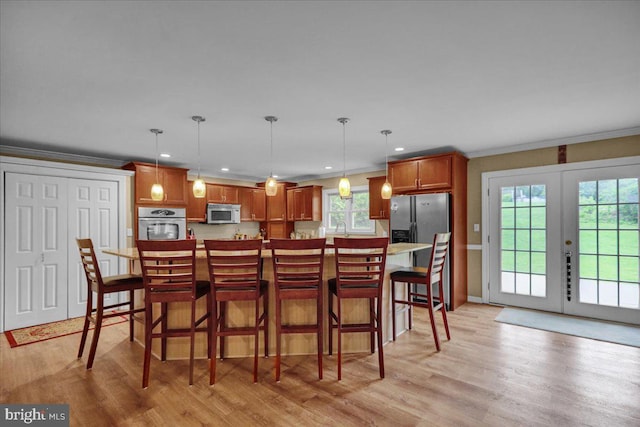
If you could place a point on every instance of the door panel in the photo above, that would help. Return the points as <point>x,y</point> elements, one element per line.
<point>36,250</point>
<point>601,241</point>
<point>93,213</point>
<point>525,260</point>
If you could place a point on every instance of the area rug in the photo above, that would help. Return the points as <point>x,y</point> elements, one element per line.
<point>586,328</point>
<point>48,331</point>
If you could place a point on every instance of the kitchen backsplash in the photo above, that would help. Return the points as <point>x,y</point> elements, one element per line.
<point>223,231</point>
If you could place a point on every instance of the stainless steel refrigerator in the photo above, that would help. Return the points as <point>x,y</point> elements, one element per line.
<point>415,219</point>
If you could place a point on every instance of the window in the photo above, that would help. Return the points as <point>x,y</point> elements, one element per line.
<point>349,215</point>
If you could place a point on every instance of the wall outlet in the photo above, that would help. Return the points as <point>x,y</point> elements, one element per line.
<point>129,232</point>
<point>476,228</point>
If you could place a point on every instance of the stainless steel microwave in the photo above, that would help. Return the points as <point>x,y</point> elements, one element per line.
<point>223,213</point>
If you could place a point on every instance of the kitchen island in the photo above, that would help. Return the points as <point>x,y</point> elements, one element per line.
<point>302,311</point>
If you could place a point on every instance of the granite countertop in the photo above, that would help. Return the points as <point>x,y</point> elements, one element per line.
<point>394,249</point>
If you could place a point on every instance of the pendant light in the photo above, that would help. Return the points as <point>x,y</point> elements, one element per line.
<point>157,192</point>
<point>271,185</point>
<point>386,190</point>
<point>199,187</point>
<point>344,187</point>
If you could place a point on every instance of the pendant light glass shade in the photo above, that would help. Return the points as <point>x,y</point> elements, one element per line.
<point>271,185</point>
<point>386,190</point>
<point>157,192</point>
<point>344,186</point>
<point>199,187</point>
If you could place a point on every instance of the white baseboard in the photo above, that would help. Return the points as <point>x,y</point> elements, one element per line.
<point>477,300</point>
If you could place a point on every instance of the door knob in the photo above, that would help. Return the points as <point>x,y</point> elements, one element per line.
<point>568,242</point>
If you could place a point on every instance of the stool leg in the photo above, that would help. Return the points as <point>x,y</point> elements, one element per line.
<point>339,312</point>
<point>319,330</point>
<point>148,314</point>
<point>256,341</point>
<point>372,328</point>
<point>131,316</point>
<point>444,311</point>
<point>278,333</point>
<point>379,333</point>
<point>330,330</point>
<point>85,328</point>
<point>96,332</point>
<point>222,326</point>
<point>393,309</point>
<point>265,321</point>
<point>214,341</point>
<point>163,329</point>
<point>192,338</point>
<point>410,305</point>
<point>431,317</point>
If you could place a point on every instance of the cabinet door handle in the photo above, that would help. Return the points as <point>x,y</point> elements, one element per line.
<point>415,182</point>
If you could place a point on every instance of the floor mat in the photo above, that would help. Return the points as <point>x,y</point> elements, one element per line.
<point>598,330</point>
<point>34,334</point>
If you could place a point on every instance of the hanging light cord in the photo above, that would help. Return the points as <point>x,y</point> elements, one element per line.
<point>156,156</point>
<point>344,148</point>
<point>271,151</point>
<point>386,155</point>
<point>199,149</point>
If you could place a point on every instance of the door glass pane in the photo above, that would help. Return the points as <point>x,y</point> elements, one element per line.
<point>523,228</point>
<point>609,261</point>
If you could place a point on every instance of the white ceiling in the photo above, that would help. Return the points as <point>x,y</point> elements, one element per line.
<point>92,78</point>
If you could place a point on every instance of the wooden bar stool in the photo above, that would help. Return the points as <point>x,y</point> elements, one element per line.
<point>103,286</point>
<point>360,265</point>
<point>169,272</point>
<point>428,277</point>
<point>297,271</point>
<point>234,272</point>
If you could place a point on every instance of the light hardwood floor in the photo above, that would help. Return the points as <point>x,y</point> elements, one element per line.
<point>490,374</point>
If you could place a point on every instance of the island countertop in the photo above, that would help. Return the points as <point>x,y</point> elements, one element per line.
<point>393,249</point>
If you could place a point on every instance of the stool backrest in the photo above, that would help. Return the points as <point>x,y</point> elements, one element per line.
<point>297,263</point>
<point>90,264</point>
<point>234,264</point>
<point>360,262</point>
<point>168,265</point>
<point>438,255</point>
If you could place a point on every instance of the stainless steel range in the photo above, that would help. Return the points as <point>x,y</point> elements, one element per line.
<point>157,223</point>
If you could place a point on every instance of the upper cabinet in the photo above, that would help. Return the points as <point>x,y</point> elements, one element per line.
<point>421,174</point>
<point>277,205</point>
<point>217,193</point>
<point>253,204</point>
<point>306,203</point>
<point>173,181</point>
<point>378,207</point>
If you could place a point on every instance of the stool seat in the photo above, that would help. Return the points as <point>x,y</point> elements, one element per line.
<point>410,272</point>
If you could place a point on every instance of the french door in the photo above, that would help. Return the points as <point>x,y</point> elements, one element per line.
<point>566,241</point>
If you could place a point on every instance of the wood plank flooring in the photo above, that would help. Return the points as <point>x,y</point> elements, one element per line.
<point>490,374</point>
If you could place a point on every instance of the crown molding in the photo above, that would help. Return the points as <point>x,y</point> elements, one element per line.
<point>555,142</point>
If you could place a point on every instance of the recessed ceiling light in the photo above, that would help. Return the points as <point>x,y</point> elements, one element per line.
<point>399,149</point>
<point>328,167</point>
<point>165,155</point>
<point>224,169</point>
<point>275,176</point>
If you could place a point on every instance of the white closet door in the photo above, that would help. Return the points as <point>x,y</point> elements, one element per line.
<point>36,250</point>
<point>93,213</point>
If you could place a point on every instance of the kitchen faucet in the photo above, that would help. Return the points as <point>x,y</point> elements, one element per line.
<point>345,228</point>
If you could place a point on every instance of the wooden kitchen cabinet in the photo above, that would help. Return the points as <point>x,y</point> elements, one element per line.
<point>196,208</point>
<point>378,207</point>
<point>306,203</point>
<point>421,174</point>
<point>253,204</point>
<point>217,193</point>
<point>173,181</point>
<point>290,210</point>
